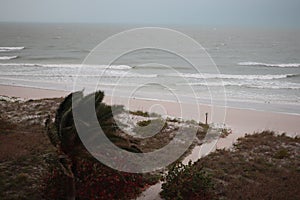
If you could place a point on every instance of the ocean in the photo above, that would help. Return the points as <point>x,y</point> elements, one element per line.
<point>258,68</point>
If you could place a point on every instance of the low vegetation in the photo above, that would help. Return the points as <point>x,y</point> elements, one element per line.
<point>149,128</point>
<point>93,180</point>
<point>24,146</point>
<point>144,114</point>
<point>186,182</point>
<point>260,166</point>
<point>140,113</point>
<point>143,123</point>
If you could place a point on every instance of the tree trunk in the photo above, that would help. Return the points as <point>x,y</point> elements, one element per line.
<point>70,188</point>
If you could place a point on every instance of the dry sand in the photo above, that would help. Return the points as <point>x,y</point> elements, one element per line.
<point>241,121</point>
<point>30,93</point>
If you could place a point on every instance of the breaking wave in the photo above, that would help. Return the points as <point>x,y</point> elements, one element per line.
<point>6,49</point>
<point>120,67</point>
<point>264,85</point>
<point>8,57</point>
<point>288,65</point>
<point>234,76</point>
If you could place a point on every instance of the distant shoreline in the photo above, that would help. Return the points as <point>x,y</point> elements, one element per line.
<point>241,121</point>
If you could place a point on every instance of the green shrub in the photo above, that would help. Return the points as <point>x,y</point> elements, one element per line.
<point>150,127</point>
<point>281,154</point>
<point>140,113</point>
<point>144,123</point>
<point>174,120</point>
<point>186,182</point>
<point>225,132</point>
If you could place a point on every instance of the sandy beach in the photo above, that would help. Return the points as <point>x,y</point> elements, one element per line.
<point>241,121</point>
<point>30,93</point>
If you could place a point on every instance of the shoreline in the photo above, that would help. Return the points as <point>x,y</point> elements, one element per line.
<point>241,121</point>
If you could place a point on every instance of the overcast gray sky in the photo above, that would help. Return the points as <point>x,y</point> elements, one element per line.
<point>186,12</point>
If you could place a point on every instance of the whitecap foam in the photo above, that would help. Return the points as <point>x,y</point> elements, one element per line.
<point>85,73</point>
<point>287,65</point>
<point>8,57</point>
<point>254,85</point>
<point>211,84</point>
<point>291,87</point>
<point>6,49</point>
<point>117,67</point>
<point>234,76</point>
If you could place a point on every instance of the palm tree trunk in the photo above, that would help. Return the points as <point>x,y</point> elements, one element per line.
<point>70,188</point>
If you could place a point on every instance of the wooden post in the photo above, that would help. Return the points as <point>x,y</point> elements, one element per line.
<point>206,114</point>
